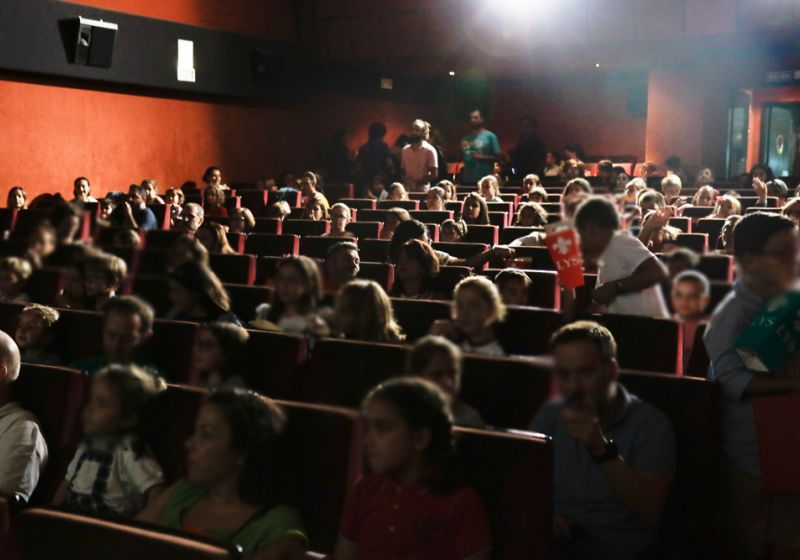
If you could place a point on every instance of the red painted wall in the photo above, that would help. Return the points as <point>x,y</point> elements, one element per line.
<point>272,19</point>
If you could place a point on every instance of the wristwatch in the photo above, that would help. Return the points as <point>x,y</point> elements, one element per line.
<point>610,453</point>
<point>619,288</point>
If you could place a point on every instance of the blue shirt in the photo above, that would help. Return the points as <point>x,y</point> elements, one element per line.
<point>145,218</point>
<point>484,143</point>
<point>646,441</point>
<point>727,368</point>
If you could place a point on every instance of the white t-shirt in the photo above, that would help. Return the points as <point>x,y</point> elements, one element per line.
<point>416,162</point>
<point>621,258</point>
<point>23,451</point>
<point>491,348</point>
<point>533,239</point>
<point>128,480</point>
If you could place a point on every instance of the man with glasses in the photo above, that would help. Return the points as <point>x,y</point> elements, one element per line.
<point>613,454</point>
<point>190,219</point>
<point>766,249</point>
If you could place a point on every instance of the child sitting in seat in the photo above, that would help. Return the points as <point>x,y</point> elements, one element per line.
<point>489,189</point>
<point>727,206</point>
<point>219,356</point>
<point>435,199</point>
<point>410,450</point>
<point>340,217</point>
<point>514,286</point>
<point>295,302</point>
<point>103,276</point>
<point>41,243</point>
<point>364,312</point>
<point>214,201</point>
<point>531,214</point>
<point>628,273</point>
<point>113,472</point>
<point>14,275</point>
<point>475,210</point>
<point>438,360</point>
<point>314,211</point>
<point>394,217</point>
<point>35,335</point>
<point>416,272</point>
<point>691,293</point>
<point>477,310</point>
<point>279,210</point>
<point>73,294</point>
<point>452,231</point>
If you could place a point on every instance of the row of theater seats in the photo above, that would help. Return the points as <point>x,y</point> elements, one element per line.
<point>511,471</point>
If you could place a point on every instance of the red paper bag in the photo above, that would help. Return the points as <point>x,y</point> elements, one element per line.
<point>778,431</point>
<point>565,250</point>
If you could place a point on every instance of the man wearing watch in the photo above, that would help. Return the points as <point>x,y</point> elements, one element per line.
<point>613,453</point>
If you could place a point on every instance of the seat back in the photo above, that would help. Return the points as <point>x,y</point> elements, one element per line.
<point>374,250</point>
<point>26,221</point>
<point>236,241</point>
<point>265,269</point>
<point>265,244</point>
<point>170,349</point>
<point>431,216</point>
<point>306,227</point>
<point>163,213</point>
<point>663,351</point>
<point>682,223</point>
<point>513,475</point>
<point>317,247</point>
<point>692,405</point>
<point>78,334</point>
<point>154,290</point>
<point>359,203</point>
<point>8,217</point>
<point>699,359</point>
<point>342,372</point>
<point>382,273</point>
<point>506,391</point>
<point>697,211</point>
<point>406,204</point>
<point>55,396</point>
<point>161,239</point>
<point>234,269</point>
<point>717,267</point>
<point>509,234</point>
<point>323,450</point>
<point>365,230</point>
<point>697,242</point>
<point>275,361</point>
<point>372,215</point>
<point>268,225</point>
<point>482,234</point>
<point>527,330</point>
<point>544,290</point>
<point>153,261</point>
<point>538,256</point>
<point>461,250</point>
<point>449,277</point>
<point>245,299</point>
<point>71,536</point>
<point>711,227</point>
<point>416,316</point>
<point>44,285</point>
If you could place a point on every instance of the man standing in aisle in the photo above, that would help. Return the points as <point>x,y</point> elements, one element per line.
<point>480,149</point>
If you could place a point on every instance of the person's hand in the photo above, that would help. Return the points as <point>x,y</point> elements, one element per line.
<point>561,528</point>
<point>760,187</point>
<point>442,327</point>
<point>582,425</point>
<point>604,294</point>
<point>503,252</point>
<point>659,219</point>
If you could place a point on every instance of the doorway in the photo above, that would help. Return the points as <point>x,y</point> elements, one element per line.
<point>780,138</point>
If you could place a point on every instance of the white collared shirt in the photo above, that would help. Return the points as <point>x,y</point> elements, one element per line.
<point>23,451</point>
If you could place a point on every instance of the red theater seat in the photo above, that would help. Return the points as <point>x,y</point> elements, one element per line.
<point>163,214</point>
<point>711,227</point>
<point>154,290</point>
<point>416,316</point>
<point>268,225</point>
<point>294,199</point>
<point>160,239</point>
<point>482,234</point>
<point>683,224</point>
<point>697,242</point>
<point>26,221</point>
<point>544,291</point>
<point>499,219</point>
<point>317,247</point>
<point>407,204</point>
<point>359,203</point>
<point>461,250</point>
<point>254,200</point>
<point>698,360</point>
<point>450,276</point>
<point>382,273</point>
<point>71,536</point>
<point>234,269</point>
<point>431,216</point>
<point>55,396</point>
<point>367,215</point>
<point>689,522</point>
<point>365,230</point>
<point>265,269</point>
<point>513,474</point>
<point>265,244</point>
<point>663,351</point>
<point>306,227</point>
<point>511,233</point>
<point>44,285</point>
<point>170,348</point>
<point>8,217</point>
<point>153,261</point>
<point>275,360</point>
<point>696,212</point>
<point>374,250</point>
<point>236,241</point>
<point>245,299</point>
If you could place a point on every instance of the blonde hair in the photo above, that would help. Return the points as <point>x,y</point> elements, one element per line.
<point>736,205</point>
<point>218,190</point>
<point>704,188</point>
<point>179,196</point>
<point>486,290</point>
<point>19,266</point>
<point>279,210</point>
<point>47,314</point>
<point>673,183</point>
<point>376,322</point>
<point>492,180</point>
<point>343,207</point>
<point>534,178</point>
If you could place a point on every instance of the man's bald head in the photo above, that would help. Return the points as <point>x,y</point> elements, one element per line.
<point>9,359</point>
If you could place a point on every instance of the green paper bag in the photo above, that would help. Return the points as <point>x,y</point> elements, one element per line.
<point>773,336</point>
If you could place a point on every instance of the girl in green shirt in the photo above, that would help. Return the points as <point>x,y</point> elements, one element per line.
<point>225,495</point>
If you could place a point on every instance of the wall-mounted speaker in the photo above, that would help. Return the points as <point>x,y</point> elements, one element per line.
<point>93,42</point>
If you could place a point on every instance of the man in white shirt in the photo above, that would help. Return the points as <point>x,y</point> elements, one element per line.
<point>23,451</point>
<point>628,274</point>
<point>418,159</point>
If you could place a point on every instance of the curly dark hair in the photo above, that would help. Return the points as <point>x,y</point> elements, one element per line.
<point>422,253</point>
<point>406,231</point>
<point>256,422</point>
<point>422,404</point>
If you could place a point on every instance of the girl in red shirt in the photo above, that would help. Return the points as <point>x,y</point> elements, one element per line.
<point>214,201</point>
<point>412,505</point>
